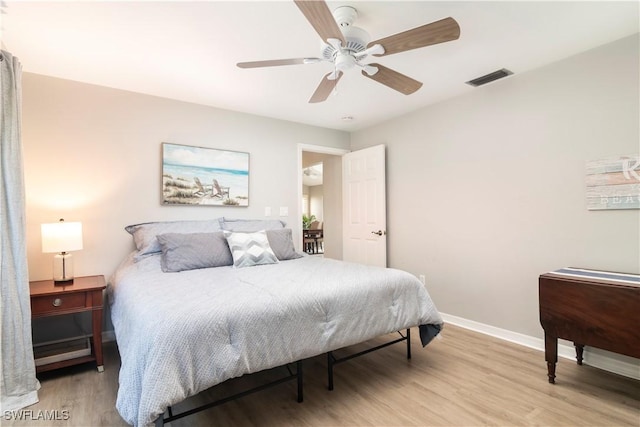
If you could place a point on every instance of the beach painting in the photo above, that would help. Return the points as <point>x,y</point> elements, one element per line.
<point>204,176</point>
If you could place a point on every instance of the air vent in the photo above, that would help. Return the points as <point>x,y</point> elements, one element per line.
<point>489,77</point>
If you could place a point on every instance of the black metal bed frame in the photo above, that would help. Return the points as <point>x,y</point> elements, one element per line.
<point>161,420</point>
<point>332,360</point>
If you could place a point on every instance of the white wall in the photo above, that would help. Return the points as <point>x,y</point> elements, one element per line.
<point>487,191</point>
<point>93,154</point>
<point>305,201</point>
<point>332,206</point>
<point>316,195</point>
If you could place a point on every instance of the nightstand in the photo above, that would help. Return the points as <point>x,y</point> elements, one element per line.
<point>84,294</point>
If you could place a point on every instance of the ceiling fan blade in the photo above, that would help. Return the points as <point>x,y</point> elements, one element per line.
<point>394,79</point>
<point>321,19</point>
<point>278,62</point>
<point>324,88</point>
<point>445,30</point>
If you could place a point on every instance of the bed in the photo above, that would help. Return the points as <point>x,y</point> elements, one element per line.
<point>183,330</point>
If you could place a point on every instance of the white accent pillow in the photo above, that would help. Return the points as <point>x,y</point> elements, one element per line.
<point>249,249</point>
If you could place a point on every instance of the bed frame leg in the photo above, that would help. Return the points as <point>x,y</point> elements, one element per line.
<point>408,343</point>
<point>299,378</point>
<point>330,361</point>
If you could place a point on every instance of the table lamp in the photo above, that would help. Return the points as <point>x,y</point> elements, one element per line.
<point>62,237</point>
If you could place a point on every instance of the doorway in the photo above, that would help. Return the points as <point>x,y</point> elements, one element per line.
<point>320,195</point>
<point>313,203</point>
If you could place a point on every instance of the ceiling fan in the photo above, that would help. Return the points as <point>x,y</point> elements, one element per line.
<point>348,46</point>
<point>313,170</point>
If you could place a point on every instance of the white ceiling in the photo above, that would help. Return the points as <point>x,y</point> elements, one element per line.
<point>188,50</point>
<point>312,175</point>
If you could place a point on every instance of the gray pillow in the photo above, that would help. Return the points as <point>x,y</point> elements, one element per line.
<point>144,235</point>
<point>281,243</point>
<point>249,249</point>
<point>190,251</point>
<point>250,225</point>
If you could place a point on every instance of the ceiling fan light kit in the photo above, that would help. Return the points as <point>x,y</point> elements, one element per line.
<point>347,46</point>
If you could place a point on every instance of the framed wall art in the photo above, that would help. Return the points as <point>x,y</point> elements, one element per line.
<point>204,176</point>
<point>613,183</point>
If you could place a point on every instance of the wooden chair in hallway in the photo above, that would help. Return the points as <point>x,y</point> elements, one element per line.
<point>313,238</point>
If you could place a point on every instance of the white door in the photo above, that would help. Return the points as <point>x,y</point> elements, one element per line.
<point>364,206</point>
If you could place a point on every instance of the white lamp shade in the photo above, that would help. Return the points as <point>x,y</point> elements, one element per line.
<point>61,237</point>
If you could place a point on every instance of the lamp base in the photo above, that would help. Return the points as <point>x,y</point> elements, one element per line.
<point>63,269</point>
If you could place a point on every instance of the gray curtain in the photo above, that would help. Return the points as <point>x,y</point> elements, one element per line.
<point>19,387</point>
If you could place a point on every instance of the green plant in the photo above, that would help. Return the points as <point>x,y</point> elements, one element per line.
<point>307,220</point>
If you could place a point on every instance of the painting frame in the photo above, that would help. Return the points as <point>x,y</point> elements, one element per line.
<point>203,176</point>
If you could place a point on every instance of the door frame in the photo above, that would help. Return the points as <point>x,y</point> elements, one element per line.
<point>321,149</point>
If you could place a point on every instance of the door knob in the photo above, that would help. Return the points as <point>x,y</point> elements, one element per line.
<point>379,232</point>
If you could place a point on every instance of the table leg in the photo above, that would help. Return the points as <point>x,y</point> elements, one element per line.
<point>96,320</point>
<point>579,352</point>
<point>551,356</point>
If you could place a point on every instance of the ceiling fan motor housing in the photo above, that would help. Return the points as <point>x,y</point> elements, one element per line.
<point>356,38</point>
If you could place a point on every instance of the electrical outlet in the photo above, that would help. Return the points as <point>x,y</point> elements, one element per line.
<point>267,211</point>
<point>284,211</point>
<point>422,279</point>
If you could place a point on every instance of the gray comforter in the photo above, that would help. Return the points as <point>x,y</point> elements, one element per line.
<point>181,333</point>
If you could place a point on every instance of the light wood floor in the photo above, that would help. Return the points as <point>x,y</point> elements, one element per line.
<point>463,379</point>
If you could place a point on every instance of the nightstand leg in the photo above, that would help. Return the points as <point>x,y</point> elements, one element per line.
<point>97,338</point>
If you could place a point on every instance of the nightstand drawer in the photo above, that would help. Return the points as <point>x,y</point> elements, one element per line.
<point>52,304</point>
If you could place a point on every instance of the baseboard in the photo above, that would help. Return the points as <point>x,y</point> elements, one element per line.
<point>591,358</point>
<point>61,351</point>
<point>108,336</point>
